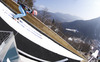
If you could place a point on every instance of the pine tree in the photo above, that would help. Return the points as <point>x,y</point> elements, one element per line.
<point>53,21</point>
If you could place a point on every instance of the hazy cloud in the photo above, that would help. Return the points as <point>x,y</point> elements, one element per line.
<point>41,7</point>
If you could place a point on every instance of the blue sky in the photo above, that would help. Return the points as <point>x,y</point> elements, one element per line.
<point>86,9</point>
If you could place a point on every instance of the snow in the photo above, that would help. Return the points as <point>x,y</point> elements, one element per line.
<point>70,39</point>
<point>24,59</point>
<point>73,30</point>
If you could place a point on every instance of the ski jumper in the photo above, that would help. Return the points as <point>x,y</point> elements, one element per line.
<point>22,9</point>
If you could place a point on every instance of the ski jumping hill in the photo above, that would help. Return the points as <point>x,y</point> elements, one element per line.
<point>48,39</point>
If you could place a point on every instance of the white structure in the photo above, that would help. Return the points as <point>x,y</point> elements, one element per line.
<point>8,49</point>
<point>94,55</point>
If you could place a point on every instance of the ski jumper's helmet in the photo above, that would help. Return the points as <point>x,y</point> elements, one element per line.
<point>34,12</point>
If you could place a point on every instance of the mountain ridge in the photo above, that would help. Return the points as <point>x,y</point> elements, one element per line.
<point>60,16</point>
<point>87,28</point>
<point>64,17</point>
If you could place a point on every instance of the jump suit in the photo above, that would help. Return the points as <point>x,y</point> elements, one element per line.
<point>22,10</point>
